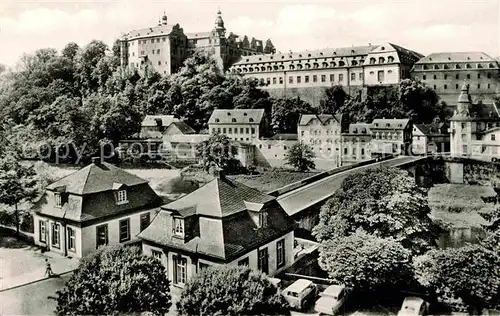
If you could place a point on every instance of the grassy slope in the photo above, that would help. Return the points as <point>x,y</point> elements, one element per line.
<point>458,205</point>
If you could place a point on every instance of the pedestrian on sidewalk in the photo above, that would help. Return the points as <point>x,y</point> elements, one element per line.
<point>48,269</point>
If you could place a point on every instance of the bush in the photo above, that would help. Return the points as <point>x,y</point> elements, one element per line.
<point>116,280</point>
<point>27,223</point>
<point>231,290</point>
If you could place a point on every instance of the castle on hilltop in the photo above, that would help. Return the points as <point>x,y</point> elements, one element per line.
<point>164,47</point>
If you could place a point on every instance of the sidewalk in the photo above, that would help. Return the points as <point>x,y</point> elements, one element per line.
<point>26,265</point>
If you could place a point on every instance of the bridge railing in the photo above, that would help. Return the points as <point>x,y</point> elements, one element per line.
<point>322,175</point>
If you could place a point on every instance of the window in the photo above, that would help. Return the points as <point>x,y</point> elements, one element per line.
<point>262,219</point>
<point>457,76</point>
<point>306,79</point>
<point>159,62</point>
<point>323,78</point>
<point>268,146</point>
<point>445,87</point>
<point>153,52</point>
<point>203,265</point>
<point>353,76</point>
<point>156,254</point>
<point>492,136</point>
<point>125,230</point>
<point>247,130</point>
<point>58,199</point>
<point>298,79</point>
<point>478,86</point>
<point>244,262</point>
<point>424,77</point>
<point>144,221</point>
<point>360,76</point>
<point>253,130</point>
<point>468,76</point>
<point>101,235</point>
<point>263,263</point>
<point>224,130</point>
<point>464,125</point>
<point>345,151</point>
<point>445,77</point>
<point>280,253</point>
<point>290,79</point>
<point>332,78</point>
<point>71,239</point>
<point>152,40</point>
<point>158,51</point>
<point>56,240</point>
<point>43,231</point>
<point>341,77</point>
<point>315,78</point>
<point>179,226</point>
<point>241,130</point>
<point>281,80</point>
<point>180,267</point>
<point>362,151</point>
<point>121,197</point>
<point>274,80</point>
<point>456,86</point>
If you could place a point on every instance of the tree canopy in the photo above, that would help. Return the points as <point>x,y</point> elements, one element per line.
<point>300,156</point>
<point>471,273</point>
<point>367,263</point>
<point>286,114</point>
<point>116,280</point>
<point>218,152</point>
<point>385,202</point>
<point>231,290</point>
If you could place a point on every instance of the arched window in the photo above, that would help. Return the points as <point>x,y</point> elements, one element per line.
<point>457,66</point>
<point>263,68</point>
<point>316,65</point>
<point>250,120</point>
<point>282,67</point>
<point>341,63</point>
<point>233,120</point>
<point>325,65</point>
<point>381,60</point>
<point>308,66</point>
<point>216,120</point>
<point>245,70</point>
<point>372,61</point>
<point>269,68</point>
<point>491,65</point>
<point>468,66</point>
<point>275,67</point>
<point>479,66</point>
<point>291,67</point>
<point>250,69</point>
<point>354,63</point>
<point>332,64</point>
<point>436,66</point>
<point>426,67</point>
<point>299,66</point>
<point>390,59</point>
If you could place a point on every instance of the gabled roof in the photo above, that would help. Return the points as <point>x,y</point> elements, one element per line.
<point>359,128</point>
<point>429,129</point>
<point>166,120</point>
<point>219,198</point>
<point>454,57</point>
<point>95,178</point>
<point>150,31</point>
<point>404,51</point>
<point>198,35</point>
<point>236,116</point>
<point>183,127</point>
<point>305,119</point>
<point>389,123</point>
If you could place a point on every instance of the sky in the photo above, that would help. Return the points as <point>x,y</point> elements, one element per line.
<point>424,26</point>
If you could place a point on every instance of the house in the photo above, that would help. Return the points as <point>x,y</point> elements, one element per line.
<point>474,128</point>
<point>99,204</point>
<point>356,143</point>
<point>390,136</point>
<point>430,138</point>
<point>155,126</point>
<point>223,222</point>
<point>322,133</point>
<point>245,125</point>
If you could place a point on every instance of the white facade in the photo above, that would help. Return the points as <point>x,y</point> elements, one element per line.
<point>193,264</point>
<point>85,237</point>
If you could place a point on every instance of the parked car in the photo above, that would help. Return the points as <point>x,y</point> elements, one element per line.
<point>299,293</point>
<point>331,300</point>
<point>413,306</point>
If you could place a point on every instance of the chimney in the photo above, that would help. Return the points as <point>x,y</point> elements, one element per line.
<point>96,160</point>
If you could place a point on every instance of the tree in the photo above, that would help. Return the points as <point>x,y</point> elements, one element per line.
<point>471,273</point>
<point>18,184</point>
<point>367,263</point>
<point>114,280</point>
<point>86,61</point>
<point>300,156</point>
<point>217,151</point>
<point>231,290</point>
<point>70,50</point>
<point>385,202</point>
<point>333,101</point>
<point>286,114</point>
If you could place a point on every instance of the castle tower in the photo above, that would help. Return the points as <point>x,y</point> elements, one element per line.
<point>219,29</point>
<point>464,102</point>
<point>164,19</point>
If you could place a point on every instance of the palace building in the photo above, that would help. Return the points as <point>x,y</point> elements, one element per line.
<point>445,72</point>
<point>307,74</point>
<point>164,47</point>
